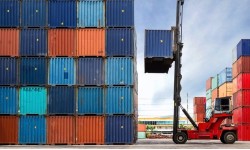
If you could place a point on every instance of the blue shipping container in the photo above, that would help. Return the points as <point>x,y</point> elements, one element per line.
<point>119,129</point>
<point>33,71</point>
<point>158,43</point>
<point>119,100</point>
<point>91,13</point>
<point>34,13</point>
<point>243,48</point>
<point>209,94</point>
<point>61,100</point>
<point>62,13</point>
<point>120,13</point>
<point>120,42</point>
<point>225,76</point>
<point>8,100</point>
<point>90,71</point>
<point>8,71</point>
<point>34,42</point>
<point>9,15</point>
<point>119,71</point>
<point>32,130</point>
<point>33,100</point>
<point>61,71</point>
<point>90,100</point>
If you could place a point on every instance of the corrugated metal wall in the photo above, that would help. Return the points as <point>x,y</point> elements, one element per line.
<point>8,71</point>
<point>9,129</point>
<point>9,42</point>
<point>9,16</point>
<point>8,100</point>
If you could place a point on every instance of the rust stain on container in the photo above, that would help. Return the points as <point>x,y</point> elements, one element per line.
<point>61,130</point>
<point>90,42</point>
<point>9,42</point>
<point>90,130</point>
<point>226,89</point>
<point>8,130</point>
<point>62,42</point>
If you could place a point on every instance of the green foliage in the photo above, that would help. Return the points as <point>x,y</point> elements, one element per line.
<point>150,128</point>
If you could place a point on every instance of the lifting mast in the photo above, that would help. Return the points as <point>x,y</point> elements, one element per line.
<point>178,45</point>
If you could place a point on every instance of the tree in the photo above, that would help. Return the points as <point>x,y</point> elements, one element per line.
<point>150,128</point>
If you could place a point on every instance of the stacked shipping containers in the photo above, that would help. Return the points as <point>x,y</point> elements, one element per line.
<point>209,97</point>
<point>241,93</point>
<point>199,109</point>
<point>75,81</point>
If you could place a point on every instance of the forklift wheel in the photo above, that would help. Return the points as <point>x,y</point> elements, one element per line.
<point>229,138</point>
<point>180,138</point>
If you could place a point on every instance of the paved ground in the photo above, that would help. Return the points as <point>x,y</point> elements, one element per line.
<point>147,144</point>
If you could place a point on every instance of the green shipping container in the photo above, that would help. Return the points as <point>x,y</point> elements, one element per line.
<point>32,100</point>
<point>141,135</point>
<point>215,82</point>
<point>208,94</point>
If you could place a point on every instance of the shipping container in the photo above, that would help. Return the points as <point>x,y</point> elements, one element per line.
<point>90,71</point>
<point>226,89</point>
<point>62,42</point>
<point>243,132</point>
<point>61,71</point>
<point>8,100</point>
<point>90,42</point>
<point>209,83</point>
<point>208,94</point>
<point>90,130</point>
<point>241,115</point>
<point>243,81</point>
<point>199,108</point>
<point>243,65</point>
<point>199,117</point>
<point>32,130</point>
<point>33,100</point>
<point>241,98</point>
<point>235,70</point>
<point>9,16</point>
<point>8,71</point>
<point>9,41</point>
<point>9,129</point>
<point>199,101</point>
<point>60,130</point>
<point>234,85</point>
<point>209,113</point>
<point>33,71</point>
<point>225,76</point>
<point>215,82</point>
<point>91,13</point>
<point>34,42</point>
<point>208,104</point>
<point>119,71</point>
<point>215,94</point>
<point>141,135</point>
<point>90,100</point>
<point>234,55</point>
<point>120,42</point>
<point>61,100</point>
<point>243,48</point>
<point>142,128</point>
<point>119,100</point>
<point>62,13</point>
<point>34,13</point>
<point>120,13</point>
<point>119,130</point>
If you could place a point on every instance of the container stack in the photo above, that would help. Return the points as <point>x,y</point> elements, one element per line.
<point>199,109</point>
<point>241,88</point>
<point>209,97</point>
<point>68,72</point>
<point>142,128</point>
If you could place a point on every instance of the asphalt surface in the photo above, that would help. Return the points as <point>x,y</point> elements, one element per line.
<point>144,144</point>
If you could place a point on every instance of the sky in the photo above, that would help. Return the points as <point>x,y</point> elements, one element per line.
<point>211,29</point>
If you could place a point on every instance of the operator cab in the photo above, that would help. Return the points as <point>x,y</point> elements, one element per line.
<point>222,105</point>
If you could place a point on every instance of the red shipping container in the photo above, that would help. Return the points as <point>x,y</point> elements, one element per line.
<point>241,115</point>
<point>8,130</point>
<point>243,65</point>
<point>61,130</point>
<point>199,109</point>
<point>234,70</point>
<point>215,94</point>
<point>199,117</point>
<point>243,81</point>
<point>209,83</point>
<point>234,90</point>
<point>199,100</point>
<point>142,128</point>
<point>90,130</point>
<point>241,98</point>
<point>243,132</point>
<point>9,42</point>
<point>62,42</point>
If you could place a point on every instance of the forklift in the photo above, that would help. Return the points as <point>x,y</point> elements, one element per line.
<point>212,127</point>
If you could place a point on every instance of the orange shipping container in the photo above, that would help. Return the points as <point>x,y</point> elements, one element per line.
<point>199,108</point>
<point>90,130</point>
<point>8,130</point>
<point>90,42</point>
<point>234,86</point>
<point>215,94</point>
<point>234,70</point>
<point>226,89</point>
<point>199,101</point>
<point>61,130</point>
<point>62,42</point>
<point>199,117</point>
<point>142,128</point>
<point>9,42</point>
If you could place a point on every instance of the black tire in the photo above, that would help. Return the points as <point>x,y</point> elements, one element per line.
<point>229,137</point>
<point>180,138</point>
<point>222,139</point>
